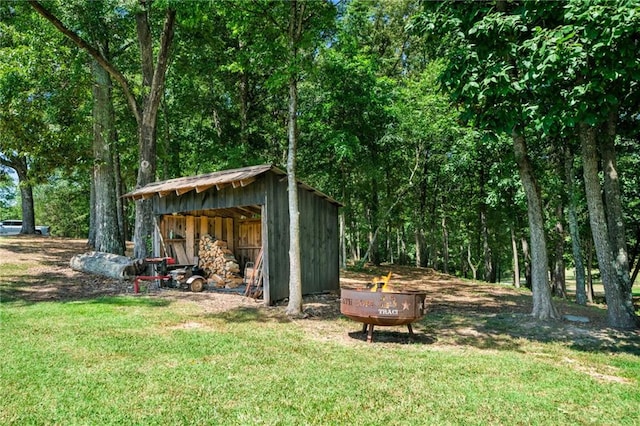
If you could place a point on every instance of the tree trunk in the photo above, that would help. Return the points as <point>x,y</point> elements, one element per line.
<point>354,242</point>
<point>28,214</point>
<point>107,265</point>
<point>373,253</point>
<point>620,313</point>
<point>613,205</point>
<point>91,239</point>
<point>474,268</point>
<point>372,248</point>
<point>542,303</point>
<point>421,256</point>
<point>122,217</point>
<point>153,79</point>
<point>108,238</point>
<point>421,212</point>
<point>487,256</point>
<point>402,247</point>
<point>294,307</point>
<point>559,279</point>
<point>526,255</point>
<point>21,166</point>
<point>516,262</point>
<point>590,293</point>
<point>463,263</point>
<point>445,246</point>
<point>389,245</point>
<point>143,232</point>
<point>574,229</point>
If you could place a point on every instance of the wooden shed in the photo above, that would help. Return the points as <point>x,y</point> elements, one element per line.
<point>248,208</point>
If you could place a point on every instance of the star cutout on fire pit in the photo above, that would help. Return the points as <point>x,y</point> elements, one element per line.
<point>405,306</point>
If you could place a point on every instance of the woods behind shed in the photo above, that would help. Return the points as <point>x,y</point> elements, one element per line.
<point>248,208</point>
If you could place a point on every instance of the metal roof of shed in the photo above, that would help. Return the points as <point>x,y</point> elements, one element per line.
<point>235,177</point>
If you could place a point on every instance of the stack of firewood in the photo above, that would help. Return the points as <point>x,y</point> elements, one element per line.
<point>218,262</point>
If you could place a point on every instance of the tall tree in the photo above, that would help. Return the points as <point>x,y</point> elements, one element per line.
<point>144,104</point>
<point>542,306</point>
<point>483,73</point>
<point>108,235</point>
<point>277,39</point>
<point>591,56</point>
<point>301,20</point>
<point>296,27</point>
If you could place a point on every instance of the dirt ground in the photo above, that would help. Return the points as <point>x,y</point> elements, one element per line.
<point>459,312</point>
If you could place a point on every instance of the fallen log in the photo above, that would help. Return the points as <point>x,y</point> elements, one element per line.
<point>107,264</point>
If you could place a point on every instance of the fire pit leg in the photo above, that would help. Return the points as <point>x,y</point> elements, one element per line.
<point>370,334</point>
<point>410,329</point>
<point>364,327</point>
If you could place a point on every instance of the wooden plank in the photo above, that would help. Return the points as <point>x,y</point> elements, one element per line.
<point>204,225</point>
<point>180,252</point>
<point>229,233</point>
<point>190,237</point>
<point>182,191</point>
<point>254,283</point>
<point>224,197</point>
<point>276,256</point>
<point>202,188</point>
<point>218,227</point>
<point>248,181</point>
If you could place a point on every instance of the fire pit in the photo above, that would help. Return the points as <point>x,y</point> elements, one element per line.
<point>382,306</point>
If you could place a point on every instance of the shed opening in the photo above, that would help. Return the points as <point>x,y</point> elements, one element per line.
<point>183,236</point>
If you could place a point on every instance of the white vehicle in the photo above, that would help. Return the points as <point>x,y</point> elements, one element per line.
<point>13,227</point>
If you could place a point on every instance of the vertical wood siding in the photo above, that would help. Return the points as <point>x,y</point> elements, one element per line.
<point>276,249</point>
<point>318,243</point>
<point>249,241</point>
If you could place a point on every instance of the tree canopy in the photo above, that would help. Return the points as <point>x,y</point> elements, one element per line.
<point>477,138</point>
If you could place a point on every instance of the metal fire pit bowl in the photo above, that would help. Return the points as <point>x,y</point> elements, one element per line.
<point>382,308</point>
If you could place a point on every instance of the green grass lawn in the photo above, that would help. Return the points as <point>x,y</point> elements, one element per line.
<point>146,360</point>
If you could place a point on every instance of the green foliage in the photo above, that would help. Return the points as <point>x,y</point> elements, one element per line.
<point>588,58</point>
<point>42,96</point>
<point>406,121</point>
<point>63,203</point>
<point>8,195</point>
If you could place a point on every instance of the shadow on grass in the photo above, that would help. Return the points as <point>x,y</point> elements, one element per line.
<point>48,286</point>
<point>246,314</point>
<point>53,251</point>
<point>383,335</point>
<point>125,301</point>
<point>122,300</point>
<point>515,331</point>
